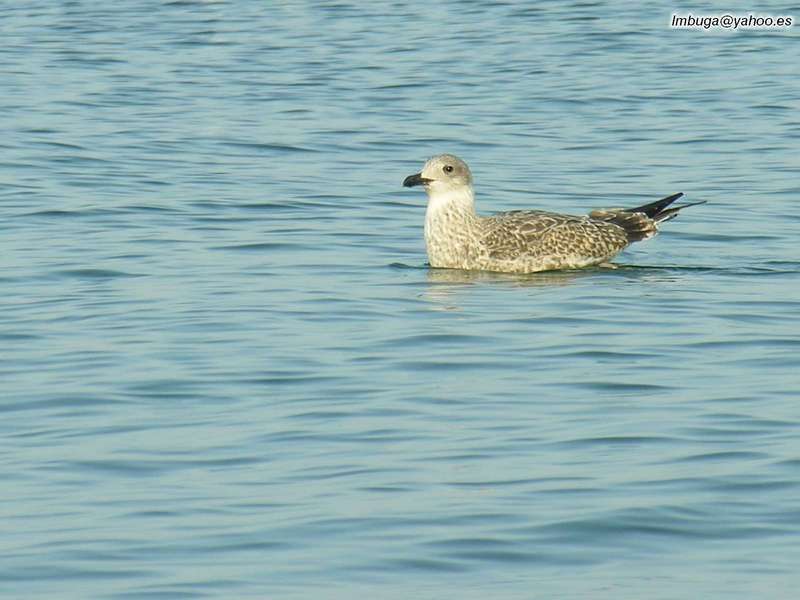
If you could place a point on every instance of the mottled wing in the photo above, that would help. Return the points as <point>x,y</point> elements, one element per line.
<point>510,235</point>
<point>543,234</point>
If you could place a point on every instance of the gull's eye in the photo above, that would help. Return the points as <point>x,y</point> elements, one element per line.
<point>448,168</point>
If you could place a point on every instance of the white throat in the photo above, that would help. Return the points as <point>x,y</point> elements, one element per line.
<point>460,200</point>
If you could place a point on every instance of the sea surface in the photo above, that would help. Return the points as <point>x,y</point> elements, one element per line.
<point>226,370</point>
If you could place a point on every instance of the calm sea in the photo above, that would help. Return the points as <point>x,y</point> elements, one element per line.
<point>227,372</point>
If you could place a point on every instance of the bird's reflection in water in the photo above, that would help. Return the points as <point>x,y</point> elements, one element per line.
<point>546,278</point>
<point>445,283</point>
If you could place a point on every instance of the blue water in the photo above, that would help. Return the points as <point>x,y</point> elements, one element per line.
<point>226,371</point>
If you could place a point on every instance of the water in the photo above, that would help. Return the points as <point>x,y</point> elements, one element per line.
<point>227,372</point>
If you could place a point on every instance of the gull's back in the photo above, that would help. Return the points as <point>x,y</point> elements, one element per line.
<point>532,240</point>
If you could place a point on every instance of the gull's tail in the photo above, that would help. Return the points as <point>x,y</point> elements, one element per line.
<point>658,210</point>
<point>641,223</point>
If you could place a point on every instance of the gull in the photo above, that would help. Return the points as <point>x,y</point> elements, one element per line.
<point>523,241</point>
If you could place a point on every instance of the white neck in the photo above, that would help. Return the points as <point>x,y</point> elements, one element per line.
<point>460,201</point>
<point>449,226</point>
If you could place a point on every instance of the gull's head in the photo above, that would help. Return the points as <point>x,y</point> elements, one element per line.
<point>442,174</point>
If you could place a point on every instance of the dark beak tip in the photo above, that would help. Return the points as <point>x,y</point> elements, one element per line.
<point>415,179</point>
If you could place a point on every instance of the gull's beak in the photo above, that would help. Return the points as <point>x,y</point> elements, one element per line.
<point>415,179</point>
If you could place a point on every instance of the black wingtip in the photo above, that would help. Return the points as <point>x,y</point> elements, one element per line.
<point>671,213</point>
<point>653,209</point>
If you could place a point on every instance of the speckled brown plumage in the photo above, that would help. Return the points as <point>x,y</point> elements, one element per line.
<point>522,241</point>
